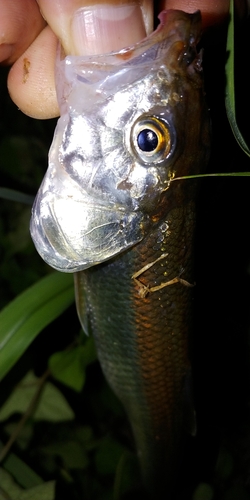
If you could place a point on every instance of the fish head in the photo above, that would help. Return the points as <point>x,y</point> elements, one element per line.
<point>130,121</point>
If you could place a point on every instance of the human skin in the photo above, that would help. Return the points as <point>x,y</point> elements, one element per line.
<point>28,42</point>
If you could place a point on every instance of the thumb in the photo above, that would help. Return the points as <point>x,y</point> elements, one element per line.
<point>98,28</point>
<point>82,30</point>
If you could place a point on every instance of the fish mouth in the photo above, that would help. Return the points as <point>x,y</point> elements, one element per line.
<point>82,235</point>
<point>185,27</point>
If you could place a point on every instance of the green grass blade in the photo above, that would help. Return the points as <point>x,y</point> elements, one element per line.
<point>24,318</point>
<point>13,195</point>
<point>200,176</point>
<point>230,87</point>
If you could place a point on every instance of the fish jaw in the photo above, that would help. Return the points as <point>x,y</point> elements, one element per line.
<point>101,193</point>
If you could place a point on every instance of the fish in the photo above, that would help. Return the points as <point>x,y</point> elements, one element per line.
<point>112,210</point>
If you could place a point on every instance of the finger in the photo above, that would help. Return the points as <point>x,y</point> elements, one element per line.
<point>85,27</point>
<point>20,23</point>
<point>31,80</point>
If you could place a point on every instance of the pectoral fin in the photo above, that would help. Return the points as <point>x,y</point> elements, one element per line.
<point>81,302</point>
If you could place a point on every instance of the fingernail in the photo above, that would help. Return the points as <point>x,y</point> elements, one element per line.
<point>104,28</point>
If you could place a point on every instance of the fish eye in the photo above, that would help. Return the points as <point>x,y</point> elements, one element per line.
<point>147,140</point>
<point>151,139</point>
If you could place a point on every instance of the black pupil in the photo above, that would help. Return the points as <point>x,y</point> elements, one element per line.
<point>147,140</point>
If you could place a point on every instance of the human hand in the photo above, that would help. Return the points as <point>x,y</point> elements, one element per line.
<point>30,44</point>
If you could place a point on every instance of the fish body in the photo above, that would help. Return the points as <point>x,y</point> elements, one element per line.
<point>143,343</point>
<point>109,210</point>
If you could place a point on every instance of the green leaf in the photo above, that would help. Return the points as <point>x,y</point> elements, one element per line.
<point>45,491</point>
<point>69,366</point>
<point>127,474</point>
<point>13,195</point>
<point>230,90</point>
<point>108,455</point>
<point>85,436</point>
<point>8,485</point>
<point>26,316</point>
<point>52,404</point>
<point>72,454</point>
<point>21,472</point>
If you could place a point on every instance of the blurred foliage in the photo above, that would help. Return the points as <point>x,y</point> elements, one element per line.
<point>63,434</point>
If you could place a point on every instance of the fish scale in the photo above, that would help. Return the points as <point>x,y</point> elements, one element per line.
<point>142,343</point>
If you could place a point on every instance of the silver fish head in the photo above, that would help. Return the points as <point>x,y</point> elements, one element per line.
<point>124,132</point>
